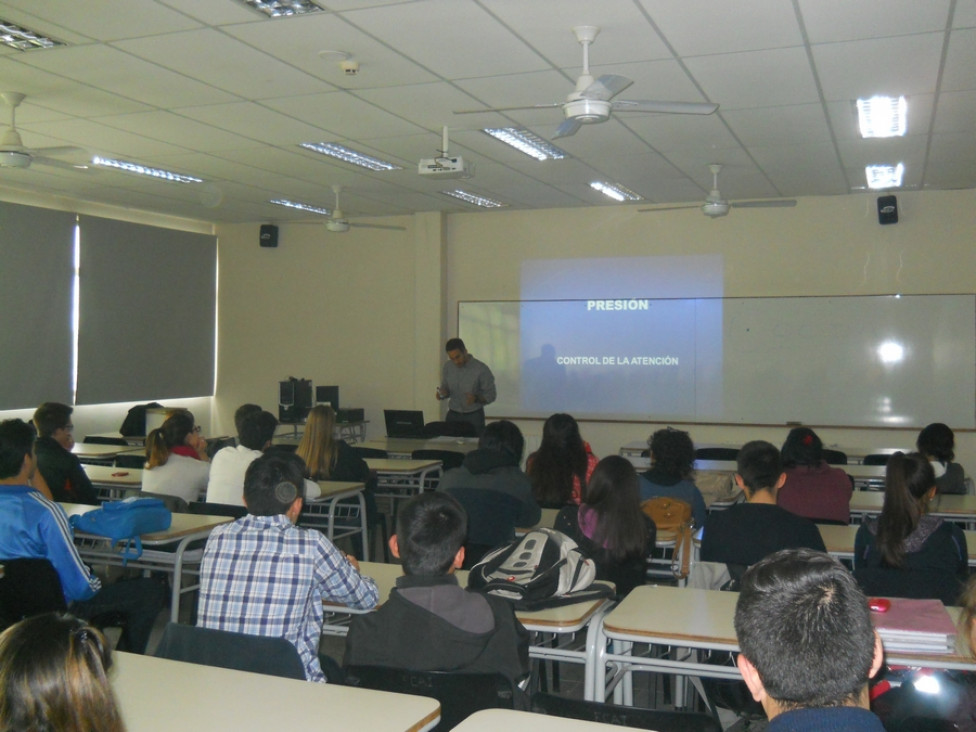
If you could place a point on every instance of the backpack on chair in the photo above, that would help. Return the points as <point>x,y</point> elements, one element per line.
<point>673,515</point>
<point>544,568</point>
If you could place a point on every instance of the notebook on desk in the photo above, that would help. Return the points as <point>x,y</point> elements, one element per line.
<point>921,626</point>
<point>404,423</point>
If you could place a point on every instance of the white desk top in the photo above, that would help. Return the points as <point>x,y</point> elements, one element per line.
<point>331,488</point>
<point>104,452</point>
<point>109,475</point>
<point>839,540</point>
<point>160,695</point>
<point>393,465</point>
<point>493,720</point>
<point>950,505</point>
<point>183,523</point>
<point>406,446</point>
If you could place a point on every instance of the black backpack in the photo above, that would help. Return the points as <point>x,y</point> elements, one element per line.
<point>134,423</point>
<point>542,569</point>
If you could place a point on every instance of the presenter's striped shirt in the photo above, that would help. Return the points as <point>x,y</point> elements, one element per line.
<point>262,575</point>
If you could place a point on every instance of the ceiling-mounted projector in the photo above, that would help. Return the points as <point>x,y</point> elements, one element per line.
<point>444,166</point>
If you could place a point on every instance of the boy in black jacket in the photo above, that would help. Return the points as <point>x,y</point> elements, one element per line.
<point>430,623</point>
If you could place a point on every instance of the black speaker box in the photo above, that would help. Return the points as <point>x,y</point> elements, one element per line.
<point>269,235</point>
<point>887,210</point>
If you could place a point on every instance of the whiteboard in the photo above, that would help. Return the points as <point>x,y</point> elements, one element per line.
<point>883,361</point>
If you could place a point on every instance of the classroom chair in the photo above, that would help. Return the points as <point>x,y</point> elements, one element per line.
<point>834,457</point>
<point>449,429</point>
<point>369,452</point>
<point>449,458</point>
<point>102,440</point>
<point>491,520</point>
<point>717,453</point>
<point>203,508</point>
<point>460,694</point>
<point>876,459</point>
<point>224,649</point>
<point>592,711</point>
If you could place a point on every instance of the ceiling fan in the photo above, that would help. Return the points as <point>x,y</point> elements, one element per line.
<point>338,223</point>
<point>591,103</point>
<point>716,206</point>
<point>13,154</point>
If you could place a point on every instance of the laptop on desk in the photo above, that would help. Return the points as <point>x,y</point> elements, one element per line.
<point>404,423</point>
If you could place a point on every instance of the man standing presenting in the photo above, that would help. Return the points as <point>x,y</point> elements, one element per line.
<point>808,644</point>
<point>468,384</point>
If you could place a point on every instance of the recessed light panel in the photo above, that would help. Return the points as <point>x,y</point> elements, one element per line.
<point>22,39</point>
<point>884,176</point>
<point>882,116</point>
<point>526,142</point>
<point>282,8</point>
<point>474,198</point>
<point>348,155</point>
<point>301,206</point>
<point>615,191</point>
<point>130,167</point>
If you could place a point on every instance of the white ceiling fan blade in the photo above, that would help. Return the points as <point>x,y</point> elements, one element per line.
<point>378,226</point>
<point>606,87</point>
<point>59,150</point>
<point>567,128</point>
<point>634,105</point>
<point>774,203</point>
<point>55,163</point>
<point>669,208</point>
<point>508,109</point>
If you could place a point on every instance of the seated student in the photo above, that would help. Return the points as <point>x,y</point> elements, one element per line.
<point>816,679</point>
<point>32,527</point>
<point>562,465</point>
<point>746,532</point>
<point>905,552</point>
<point>813,488</point>
<point>672,464</point>
<point>430,623</point>
<point>495,466</point>
<point>610,527</point>
<point>937,443</point>
<point>177,462</point>
<point>265,576</point>
<point>62,471</point>
<point>54,676</point>
<point>242,413</point>
<point>226,483</point>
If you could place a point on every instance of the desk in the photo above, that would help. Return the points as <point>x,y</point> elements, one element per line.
<point>402,479</point>
<point>564,621</point>
<point>326,504</point>
<point>351,432</point>
<point>865,476</point>
<point>104,454</point>
<point>166,551</point>
<point>492,720</point>
<point>111,483</point>
<point>134,440</point>
<point>158,695</point>
<point>696,619</point>
<point>839,541</point>
<point>403,447</point>
<point>953,507</point>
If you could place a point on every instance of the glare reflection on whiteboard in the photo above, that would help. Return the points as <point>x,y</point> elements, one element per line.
<point>891,352</point>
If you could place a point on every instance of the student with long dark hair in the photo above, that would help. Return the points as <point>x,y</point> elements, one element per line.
<point>177,463</point>
<point>609,526</point>
<point>53,676</point>
<point>562,465</point>
<point>907,552</point>
<point>813,488</point>
<point>937,443</point>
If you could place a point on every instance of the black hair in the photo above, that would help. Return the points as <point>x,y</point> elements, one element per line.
<point>16,442</point>
<point>938,441</point>
<point>673,452</point>
<point>273,482</point>
<point>50,417</point>
<point>908,478</point>
<point>430,529</point>
<point>242,413</point>
<point>614,496</point>
<point>455,344</point>
<point>802,447</point>
<point>561,457</point>
<point>257,429</point>
<point>503,436</point>
<point>804,623</point>
<point>760,466</point>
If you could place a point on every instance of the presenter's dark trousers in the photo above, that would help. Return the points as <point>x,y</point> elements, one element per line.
<point>476,418</point>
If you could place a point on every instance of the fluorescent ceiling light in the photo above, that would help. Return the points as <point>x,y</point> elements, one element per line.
<point>128,167</point>
<point>474,198</point>
<point>882,116</point>
<point>22,39</point>
<point>526,142</point>
<point>301,206</point>
<point>347,155</point>
<point>614,191</point>
<point>282,8</point>
<point>884,176</point>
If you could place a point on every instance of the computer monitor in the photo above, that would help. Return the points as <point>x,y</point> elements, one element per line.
<point>404,422</point>
<point>327,395</point>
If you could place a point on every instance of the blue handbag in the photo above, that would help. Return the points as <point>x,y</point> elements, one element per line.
<point>125,521</point>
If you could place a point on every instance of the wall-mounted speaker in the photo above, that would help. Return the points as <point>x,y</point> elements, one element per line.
<point>887,210</point>
<point>269,235</point>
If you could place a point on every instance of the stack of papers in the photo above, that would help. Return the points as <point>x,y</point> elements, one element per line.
<point>916,626</point>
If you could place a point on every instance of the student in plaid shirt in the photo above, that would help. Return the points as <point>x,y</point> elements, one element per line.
<point>262,575</point>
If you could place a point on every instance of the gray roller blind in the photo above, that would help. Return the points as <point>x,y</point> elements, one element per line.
<point>147,312</point>
<point>36,277</point>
